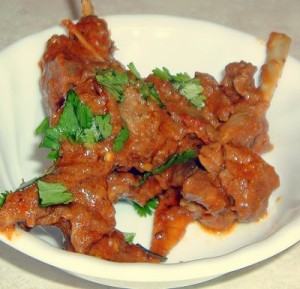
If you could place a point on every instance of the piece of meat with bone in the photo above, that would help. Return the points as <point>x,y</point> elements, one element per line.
<point>247,124</point>
<point>70,60</point>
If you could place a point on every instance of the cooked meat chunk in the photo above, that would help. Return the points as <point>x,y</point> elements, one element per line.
<point>170,222</point>
<point>249,180</point>
<point>243,176</point>
<point>201,189</point>
<point>69,61</point>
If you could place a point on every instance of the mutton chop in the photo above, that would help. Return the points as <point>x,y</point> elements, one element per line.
<point>235,182</point>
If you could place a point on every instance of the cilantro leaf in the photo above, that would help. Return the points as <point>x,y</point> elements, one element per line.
<point>129,237</point>
<point>147,209</point>
<point>120,139</point>
<point>171,161</point>
<point>133,70</point>
<point>3,197</point>
<point>146,89</point>
<point>43,127</point>
<point>77,124</point>
<point>53,194</point>
<point>104,124</point>
<point>89,136</point>
<point>68,123</point>
<point>51,139</point>
<point>175,160</point>
<point>163,73</point>
<point>114,82</point>
<point>188,87</point>
<point>84,116</point>
<point>53,155</point>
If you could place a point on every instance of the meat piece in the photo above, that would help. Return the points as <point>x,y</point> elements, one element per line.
<point>206,200</point>
<point>91,215</point>
<point>238,82</point>
<point>69,61</point>
<point>93,34</point>
<point>154,135</point>
<point>123,185</point>
<point>170,223</point>
<point>218,106</point>
<point>21,207</point>
<point>249,180</point>
<point>221,222</point>
<point>247,124</point>
<point>237,184</point>
<point>115,248</point>
<point>201,189</point>
<point>243,175</point>
<point>211,157</point>
<point>201,127</point>
<point>248,127</point>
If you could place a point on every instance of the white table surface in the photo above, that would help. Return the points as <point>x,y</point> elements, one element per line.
<point>257,17</point>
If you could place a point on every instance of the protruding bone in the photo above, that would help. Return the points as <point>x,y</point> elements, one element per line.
<point>87,7</point>
<point>277,53</point>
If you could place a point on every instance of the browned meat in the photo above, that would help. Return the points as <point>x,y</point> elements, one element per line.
<point>218,106</point>
<point>170,222</point>
<point>245,178</point>
<point>228,182</point>
<point>154,134</point>
<point>238,82</point>
<point>247,126</point>
<point>22,207</point>
<point>207,201</point>
<point>70,60</point>
<point>115,248</point>
<point>91,215</point>
<point>122,185</point>
<point>249,180</point>
<point>201,189</point>
<point>236,186</point>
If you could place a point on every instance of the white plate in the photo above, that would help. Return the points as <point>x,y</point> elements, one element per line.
<point>181,45</point>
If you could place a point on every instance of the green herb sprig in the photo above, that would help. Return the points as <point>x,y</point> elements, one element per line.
<point>120,139</point>
<point>3,197</point>
<point>147,89</point>
<point>147,209</point>
<point>189,87</point>
<point>53,194</point>
<point>114,82</point>
<point>171,161</point>
<point>129,237</point>
<point>77,124</point>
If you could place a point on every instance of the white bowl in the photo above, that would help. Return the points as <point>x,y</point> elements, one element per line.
<point>181,45</point>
